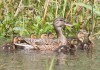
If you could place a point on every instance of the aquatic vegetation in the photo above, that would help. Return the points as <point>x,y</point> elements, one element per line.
<point>23,17</point>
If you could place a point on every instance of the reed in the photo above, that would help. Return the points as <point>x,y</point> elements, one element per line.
<point>51,66</point>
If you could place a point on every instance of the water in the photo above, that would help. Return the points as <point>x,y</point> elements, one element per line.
<point>36,60</point>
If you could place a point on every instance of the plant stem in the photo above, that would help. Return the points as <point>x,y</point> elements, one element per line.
<point>92,18</point>
<point>56,9</point>
<point>45,11</point>
<point>18,8</point>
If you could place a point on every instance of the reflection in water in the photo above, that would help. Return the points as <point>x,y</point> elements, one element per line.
<point>36,60</point>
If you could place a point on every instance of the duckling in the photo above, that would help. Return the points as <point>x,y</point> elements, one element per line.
<point>11,46</point>
<point>32,36</point>
<point>81,39</point>
<point>18,39</point>
<point>15,40</point>
<point>70,48</point>
<point>73,46</point>
<point>84,41</point>
<point>44,36</point>
<point>92,38</point>
<point>62,49</point>
<point>81,35</point>
<point>50,35</point>
<point>45,39</point>
<point>88,44</point>
<point>40,41</point>
<point>8,47</point>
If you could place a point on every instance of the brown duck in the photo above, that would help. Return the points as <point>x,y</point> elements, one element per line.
<point>48,44</point>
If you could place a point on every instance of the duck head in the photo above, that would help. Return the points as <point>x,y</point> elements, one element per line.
<point>58,24</point>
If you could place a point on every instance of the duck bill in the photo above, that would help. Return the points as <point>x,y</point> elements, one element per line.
<point>68,24</point>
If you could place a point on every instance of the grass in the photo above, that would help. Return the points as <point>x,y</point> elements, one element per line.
<point>23,17</point>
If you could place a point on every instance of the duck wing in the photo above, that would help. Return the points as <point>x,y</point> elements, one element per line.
<point>23,46</point>
<point>40,44</point>
<point>51,44</point>
<point>36,41</point>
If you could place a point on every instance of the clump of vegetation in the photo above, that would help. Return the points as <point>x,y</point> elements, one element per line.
<point>22,17</point>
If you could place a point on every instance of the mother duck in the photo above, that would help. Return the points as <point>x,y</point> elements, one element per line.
<point>48,44</point>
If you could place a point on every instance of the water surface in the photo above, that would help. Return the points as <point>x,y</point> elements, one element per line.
<point>41,60</point>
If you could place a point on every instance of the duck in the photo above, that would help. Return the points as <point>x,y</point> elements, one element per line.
<point>8,47</point>
<point>33,36</point>
<point>71,47</point>
<point>44,36</point>
<point>50,35</point>
<point>84,39</point>
<point>47,35</point>
<point>52,44</point>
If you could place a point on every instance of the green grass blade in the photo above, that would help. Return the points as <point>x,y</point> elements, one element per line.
<point>52,63</point>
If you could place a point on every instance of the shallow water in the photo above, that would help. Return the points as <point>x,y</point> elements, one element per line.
<point>36,60</point>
